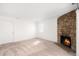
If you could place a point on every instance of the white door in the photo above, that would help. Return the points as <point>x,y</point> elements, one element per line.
<point>6,29</point>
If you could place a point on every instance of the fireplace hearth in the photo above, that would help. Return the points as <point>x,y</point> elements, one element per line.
<point>65,40</point>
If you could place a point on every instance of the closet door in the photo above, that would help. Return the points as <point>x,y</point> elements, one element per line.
<point>6,32</point>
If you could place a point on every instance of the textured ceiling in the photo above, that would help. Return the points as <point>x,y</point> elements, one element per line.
<point>38,11</point>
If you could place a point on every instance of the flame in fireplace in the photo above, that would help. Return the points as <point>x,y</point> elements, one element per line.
<point>67,42</point>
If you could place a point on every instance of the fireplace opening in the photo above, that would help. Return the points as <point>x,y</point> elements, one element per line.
<point>65,40</point>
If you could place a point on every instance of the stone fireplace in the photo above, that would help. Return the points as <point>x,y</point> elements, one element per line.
<point>67,30</point>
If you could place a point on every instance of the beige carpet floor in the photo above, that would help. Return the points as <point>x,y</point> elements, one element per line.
<point>33,47</point>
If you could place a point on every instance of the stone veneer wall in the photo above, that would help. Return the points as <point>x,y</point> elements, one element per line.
<point>67,25</point>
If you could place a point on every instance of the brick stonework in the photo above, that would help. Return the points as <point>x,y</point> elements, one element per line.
<point>67,25</point>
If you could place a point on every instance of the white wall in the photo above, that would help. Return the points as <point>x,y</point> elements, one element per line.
<point>24,30</point>
<point>6,32</point>
<point>49,32</point>
<point>12,30</point>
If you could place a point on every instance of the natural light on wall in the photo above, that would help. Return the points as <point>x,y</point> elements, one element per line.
<point>41,27</point>
<point>32,28</point>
